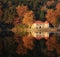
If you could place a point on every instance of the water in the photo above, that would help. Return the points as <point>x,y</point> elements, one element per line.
<point>9,45</point>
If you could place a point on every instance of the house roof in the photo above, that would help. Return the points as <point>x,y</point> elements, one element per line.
<point>40,22</point>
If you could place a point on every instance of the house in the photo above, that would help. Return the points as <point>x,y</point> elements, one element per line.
<point>40,24</point>
<point>36,29</point>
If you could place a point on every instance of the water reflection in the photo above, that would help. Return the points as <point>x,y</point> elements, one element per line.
<point>20,41</point>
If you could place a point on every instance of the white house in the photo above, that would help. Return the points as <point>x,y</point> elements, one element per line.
<point>39,25</point>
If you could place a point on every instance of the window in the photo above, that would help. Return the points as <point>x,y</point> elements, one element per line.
<point>39,32</point>
<point>40,27</point>
<point>37,27</point>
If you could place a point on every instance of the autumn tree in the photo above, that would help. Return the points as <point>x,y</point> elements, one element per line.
<point>51,16</point>
<point>57,10</point>
<point>21,10</point>
<point>28,42</point>
<point>57,6</point>
<point>51,43</point>
<point>21,49</point>
<point>28,18</point>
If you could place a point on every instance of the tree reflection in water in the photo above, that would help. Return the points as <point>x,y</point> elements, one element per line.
<point>12,44</point>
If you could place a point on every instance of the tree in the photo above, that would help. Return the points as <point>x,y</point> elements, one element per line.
<point>28,18</point>
<point>21,10</point>
<point>52,44</point>
<point>51,16</point>
<point>57,6</point>
<point>28,42</point>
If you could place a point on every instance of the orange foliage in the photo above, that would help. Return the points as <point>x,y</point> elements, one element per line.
<point>51,16</point>
<point>21,10</point>
<point>58,9</point>
<point>28,18</point>
<point>28,42</point>
<point>20,48</point>
<point>58,6</point>
<point>24,43</point>
<point>51,43</point>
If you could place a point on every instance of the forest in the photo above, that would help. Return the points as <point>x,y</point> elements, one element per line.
<point>18,15</point>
